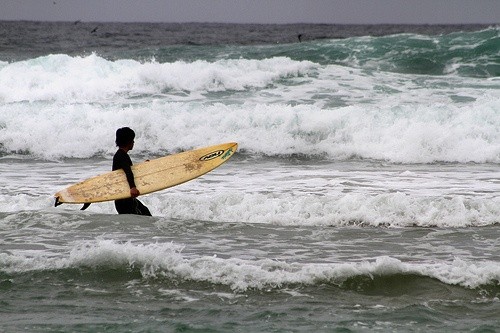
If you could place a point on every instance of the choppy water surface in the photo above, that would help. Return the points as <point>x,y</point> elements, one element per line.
<point>364,196</point>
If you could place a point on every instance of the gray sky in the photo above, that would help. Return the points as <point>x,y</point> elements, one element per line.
<point>256,11</point>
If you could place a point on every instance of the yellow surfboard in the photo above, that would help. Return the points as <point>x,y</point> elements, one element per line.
<point>149,176</point>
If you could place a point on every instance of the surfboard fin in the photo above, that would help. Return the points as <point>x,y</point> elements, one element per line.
<point>85,206</point>
<point>57,203</point>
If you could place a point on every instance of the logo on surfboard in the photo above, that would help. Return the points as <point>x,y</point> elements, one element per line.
<point>227,154</point>
<point>212,155</point>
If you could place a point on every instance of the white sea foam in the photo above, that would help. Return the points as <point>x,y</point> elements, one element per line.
<point>166,260</point>
<point>92,78</point>
<point>317,194</point>
<point>394,209</point>
<point>59,106</point>
<point>404,135</point>
<point>356,209</point>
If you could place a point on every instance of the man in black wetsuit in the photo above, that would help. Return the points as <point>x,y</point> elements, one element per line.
<point>125,141</point>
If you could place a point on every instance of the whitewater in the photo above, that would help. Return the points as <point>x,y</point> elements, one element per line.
<point>364,194</point>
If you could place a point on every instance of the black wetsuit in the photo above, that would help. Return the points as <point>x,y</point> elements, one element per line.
<point>121,160</point>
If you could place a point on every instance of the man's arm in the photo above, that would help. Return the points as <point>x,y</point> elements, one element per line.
<point>122,161</point>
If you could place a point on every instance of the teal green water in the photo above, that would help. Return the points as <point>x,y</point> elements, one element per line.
<point>469,54</point>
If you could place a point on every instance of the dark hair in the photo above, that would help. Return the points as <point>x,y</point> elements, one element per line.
<point>124,136</point>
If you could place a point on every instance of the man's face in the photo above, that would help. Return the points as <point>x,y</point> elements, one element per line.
<point>131,145</point>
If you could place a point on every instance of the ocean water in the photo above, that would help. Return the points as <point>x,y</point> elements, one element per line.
<point>364,195</point>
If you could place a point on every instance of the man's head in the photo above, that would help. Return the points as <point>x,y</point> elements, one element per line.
<point>124,137</point>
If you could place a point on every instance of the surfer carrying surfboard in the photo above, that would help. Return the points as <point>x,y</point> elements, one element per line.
<point>121,160</point>
<point>150,176</point>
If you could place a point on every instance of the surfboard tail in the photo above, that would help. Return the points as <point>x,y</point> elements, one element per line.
<point>58,203</point>
<point>85,206</point>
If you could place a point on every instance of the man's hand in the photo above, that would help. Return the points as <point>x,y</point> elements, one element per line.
<point>134,192</point>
